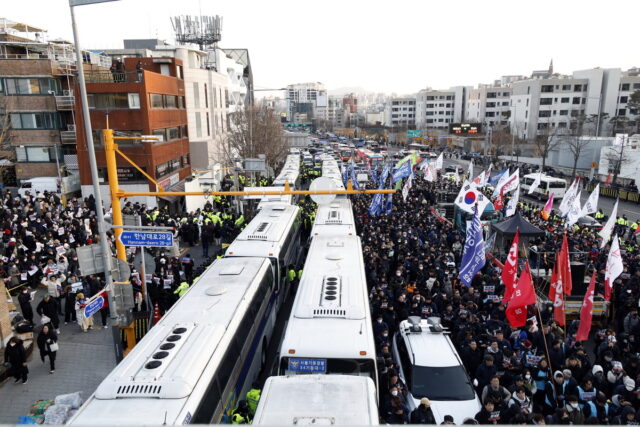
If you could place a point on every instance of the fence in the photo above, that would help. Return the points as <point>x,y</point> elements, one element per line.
<point>107,76</point>
<point>613,192</point>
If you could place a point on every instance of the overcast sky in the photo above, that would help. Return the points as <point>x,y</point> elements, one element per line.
<point>389,46</point>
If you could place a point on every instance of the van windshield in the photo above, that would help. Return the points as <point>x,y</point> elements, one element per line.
<point>441,383</point>
<point>26,185</point>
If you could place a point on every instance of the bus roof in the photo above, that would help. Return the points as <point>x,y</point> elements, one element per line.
<point>339,324</point>
<point>136,394</point>
<point>317,399</point>
<point>266,233</point>
<point>334,219</point>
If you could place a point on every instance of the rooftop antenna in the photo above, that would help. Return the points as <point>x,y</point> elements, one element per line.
<point>205,31</point>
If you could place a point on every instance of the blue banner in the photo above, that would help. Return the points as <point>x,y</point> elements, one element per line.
<point>495,178</point>
<point>345,175</point>
<point>383,177</point>
<point>402,172</point>
<point>354,179</point>
<point>308,365</point>
<point>374,176</point>
<point>473,257</point>
<point>376,204</point>
<point>389,207</point>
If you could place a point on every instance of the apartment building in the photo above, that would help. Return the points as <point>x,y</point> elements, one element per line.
<point>132,103</point>
<point>552,105</point>
<point>306,101</point>
<point>37,79</point>
<point>400,112</point>
<point>490,106</point>
<point>435,109</point>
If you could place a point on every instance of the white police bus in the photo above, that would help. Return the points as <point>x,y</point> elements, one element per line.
<point>330,330</point>
<point>201,357</point>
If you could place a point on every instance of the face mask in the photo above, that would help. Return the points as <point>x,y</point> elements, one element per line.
<point>385,335</point>
<point>12,344</point>
<point>608,359</point>
<point>379,320</point>
<point>394,393</point>
<point>574,405</point>
<point>398,274</point>
<point>528,377</point>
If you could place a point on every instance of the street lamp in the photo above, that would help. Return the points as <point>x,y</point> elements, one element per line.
<point>92,155</point>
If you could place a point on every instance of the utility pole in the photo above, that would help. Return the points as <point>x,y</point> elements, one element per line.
<point>86,120</point>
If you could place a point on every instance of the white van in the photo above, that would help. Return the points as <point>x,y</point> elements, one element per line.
<point>430,367</point>
<point>548,184</point>
<point>50,184</point>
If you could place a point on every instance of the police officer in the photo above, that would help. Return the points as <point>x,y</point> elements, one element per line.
<point>253,397</point>
<point>181,289</point>
<point>599,215</point>
<point>241,414</point>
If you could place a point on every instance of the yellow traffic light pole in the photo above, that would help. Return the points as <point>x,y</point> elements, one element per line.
<point>110,149</point>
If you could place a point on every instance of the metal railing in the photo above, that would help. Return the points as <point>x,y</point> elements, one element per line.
<point>65,102</point>
<point>68,136</point>
<point>113,76</point>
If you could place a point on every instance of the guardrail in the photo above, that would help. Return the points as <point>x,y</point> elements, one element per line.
<point>615,192</point>
<point>108,76</point>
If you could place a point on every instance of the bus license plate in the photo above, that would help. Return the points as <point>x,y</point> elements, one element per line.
<point>318,366</point>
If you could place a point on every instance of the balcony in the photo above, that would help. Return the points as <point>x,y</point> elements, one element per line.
<point>98,76</point>
<point>65,102</point>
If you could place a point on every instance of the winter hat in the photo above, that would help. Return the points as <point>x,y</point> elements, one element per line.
<point>557,374</point>
<point>629,383</point>
<point>426,402</point>
<point>566,373</point>
<point>596,369</point>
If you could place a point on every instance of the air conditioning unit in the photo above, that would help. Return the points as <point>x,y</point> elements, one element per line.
<point>67,92</point>
<point>71,127</point>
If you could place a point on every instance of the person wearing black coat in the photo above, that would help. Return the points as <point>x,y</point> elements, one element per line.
<point>25,304</point>
<point>484,372</point>
<point>48,307</point>
<point>16,356</point>
<point>46,338</point>
<point>423,413</point>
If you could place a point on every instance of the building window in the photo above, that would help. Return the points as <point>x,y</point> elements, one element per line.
<point>566,87</point>
<point>206,97</point>
<point>565,100</point>
<point>624,86</point>
<point>226,97</point>
<point>170,101</point>
<point>208,125</point>
<point>430,98</point>
<point>490,104</point>
<point>623,99</point>
<point>491,94</point>
<point>544,113</point>
<point>198,125</point>
<point>35,154</point>
<point>564,112</point>
<point>546,101</point>
<point>40,121</point>
<point>181,102</point>
<point>33,86</point>
<point>196,95</point>
<point>490,114</point>
<point>173,133</point>
<point>546,88</point>
<point>156,100</point>
<point>622,112</point>
<point>576,100</point>
<point>113,101</point>
<point>215,97</point>
<point>134,101</point>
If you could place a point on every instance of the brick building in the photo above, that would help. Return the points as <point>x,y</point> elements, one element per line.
<point>36,91</point>
<point>146,102</point>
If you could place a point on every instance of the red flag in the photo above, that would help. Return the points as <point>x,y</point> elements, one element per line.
<point>564,266</point>
<point>510,270</point>
<point>586,312</point>
<point>555,295</point>
<point>608,181</point>
<point>499,202</point>
<point>517,316</point>
<point>523,294</point>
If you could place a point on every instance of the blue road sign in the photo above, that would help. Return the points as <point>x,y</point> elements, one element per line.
<point>93,307</point>
<point>147,238</point>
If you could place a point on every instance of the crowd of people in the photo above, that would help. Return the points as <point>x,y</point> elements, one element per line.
<point>535,374</point>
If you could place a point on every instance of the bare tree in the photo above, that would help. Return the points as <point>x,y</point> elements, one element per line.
<point>617,157</point>
<point>619,124</point>
<point>576,143</point>
<point>255,130</point>
<point>545,143</point>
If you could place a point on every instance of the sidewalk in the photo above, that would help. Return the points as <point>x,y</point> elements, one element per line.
<point>83,360</point>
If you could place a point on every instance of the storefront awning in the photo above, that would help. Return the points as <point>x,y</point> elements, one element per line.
<point>173,199</point>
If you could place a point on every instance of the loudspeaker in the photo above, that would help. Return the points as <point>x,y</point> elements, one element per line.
<point>578,270</point>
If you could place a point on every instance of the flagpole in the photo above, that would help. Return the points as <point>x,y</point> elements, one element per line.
<point>544,336</point>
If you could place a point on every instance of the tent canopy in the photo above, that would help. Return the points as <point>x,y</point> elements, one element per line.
<point>508,227</point>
